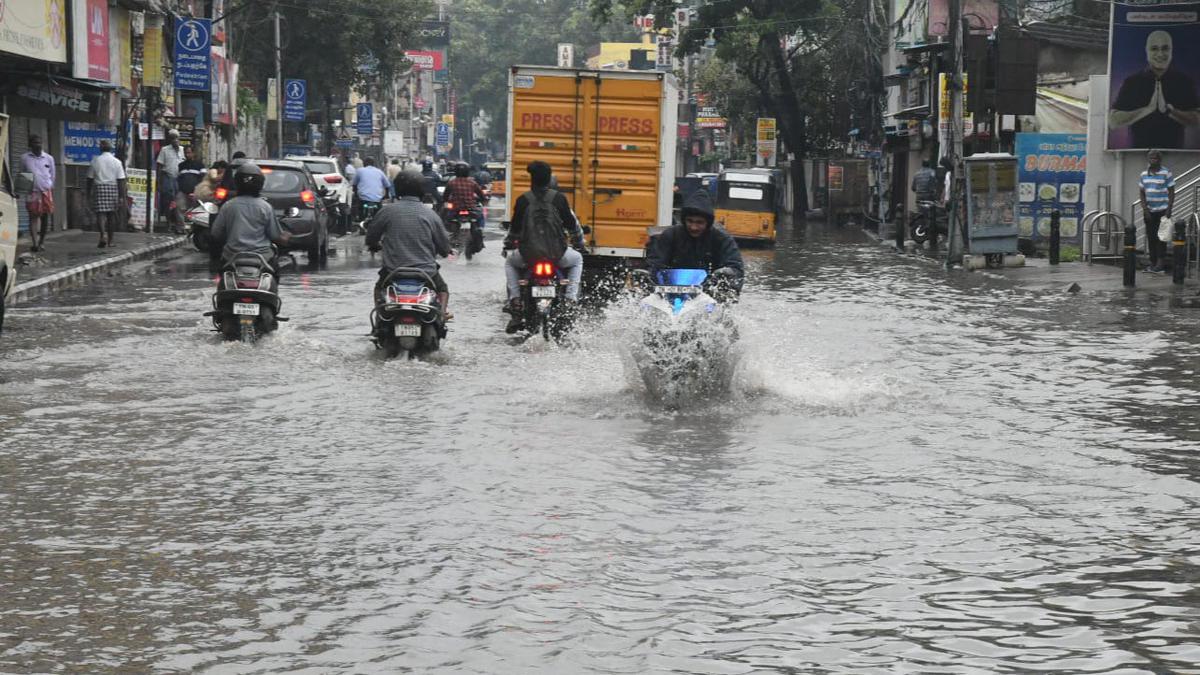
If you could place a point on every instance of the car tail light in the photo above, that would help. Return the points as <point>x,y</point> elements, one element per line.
<point>333,179</point>
<point>450,206</point>
<point>221,194</point>
<point>308,197</point>
<point>464,213</point>
<point>543,269</point>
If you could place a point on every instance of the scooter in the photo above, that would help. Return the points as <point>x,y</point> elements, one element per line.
<point>687,336</point>
<point>246,303</point>
<point>408,317</point>
<point>197,221</point>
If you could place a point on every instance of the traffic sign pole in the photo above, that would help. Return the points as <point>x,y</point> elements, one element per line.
<point>278,78</point>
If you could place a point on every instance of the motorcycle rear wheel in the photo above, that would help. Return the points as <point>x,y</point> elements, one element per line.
<point>248,332</point>
<point>391,347</point>
<point>200,240</point>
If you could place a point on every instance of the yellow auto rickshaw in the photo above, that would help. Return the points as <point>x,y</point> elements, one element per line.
<point>747,204</point>
<point>499,172</point>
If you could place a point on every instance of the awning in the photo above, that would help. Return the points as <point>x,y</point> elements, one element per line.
<point>915,113</point>
<point>61,98</point>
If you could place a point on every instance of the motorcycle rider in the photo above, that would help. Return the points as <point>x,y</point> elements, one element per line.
<point>247,223</point>
<point>371,184</point>
<point>410,236</point>
<point>431,180</point>
<point>571,261</point>
<point>464,193</point>
<point>695,244</point>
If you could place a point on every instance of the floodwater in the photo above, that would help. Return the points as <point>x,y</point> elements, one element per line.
<point>912,472</point>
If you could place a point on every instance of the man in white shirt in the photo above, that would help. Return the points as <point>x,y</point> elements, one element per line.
<point>106,187</point>
<point>169,159</point>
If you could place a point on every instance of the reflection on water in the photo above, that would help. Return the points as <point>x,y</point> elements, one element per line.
<point>912,472</point>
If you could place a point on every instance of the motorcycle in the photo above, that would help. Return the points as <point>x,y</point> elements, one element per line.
<point>687,337</point>
<point>456,219</point>
<point>367,211</point>
<point>197,221</point>
<point>408,317</point>
<point>246,303</point>
<point>544,306</point>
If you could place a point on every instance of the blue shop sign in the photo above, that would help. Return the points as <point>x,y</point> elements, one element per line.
<point>81,141</point>
<point>1050,177</point>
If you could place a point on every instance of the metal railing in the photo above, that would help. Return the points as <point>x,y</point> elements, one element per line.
<point>1105,243</point>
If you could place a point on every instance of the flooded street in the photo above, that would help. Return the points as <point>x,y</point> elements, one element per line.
<point>914,472</point>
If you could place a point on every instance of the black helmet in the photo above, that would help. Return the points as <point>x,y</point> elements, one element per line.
<point>249,179</point>
<point>426,165</point>
<point>462,170</point>
<point>409,184</point>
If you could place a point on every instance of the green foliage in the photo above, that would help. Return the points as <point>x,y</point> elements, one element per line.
<point>1069,254</point>
<point>334,44</point>
<point>248,104</point>
<point>488,37</point>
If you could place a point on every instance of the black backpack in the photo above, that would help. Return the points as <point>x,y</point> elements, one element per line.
<point>542,232</point>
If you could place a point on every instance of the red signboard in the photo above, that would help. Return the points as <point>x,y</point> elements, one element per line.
<point>431,60</point>
<point>685,131</point>
<point>97,39</point>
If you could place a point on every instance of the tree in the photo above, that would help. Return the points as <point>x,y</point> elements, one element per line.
<point>787,51</point>
<point>488,37</point>
<point>334,44</point>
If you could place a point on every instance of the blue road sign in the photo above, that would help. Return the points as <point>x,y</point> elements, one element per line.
<point>344,143</point>
<point>295,93</point>
<point>366,119</point>
<point>193,47</point>
<point>442,136</point>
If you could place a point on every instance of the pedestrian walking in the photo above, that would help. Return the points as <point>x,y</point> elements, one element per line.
<point>393,169</point>
<point>40,202</point>
<point>106,188</point>
<point>169,159</point>
<point>1158,196</point>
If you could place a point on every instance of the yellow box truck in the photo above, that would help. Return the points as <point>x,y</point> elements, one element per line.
<point>609,136</point>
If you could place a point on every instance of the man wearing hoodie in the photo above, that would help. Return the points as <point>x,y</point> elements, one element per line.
<point>695,244</point>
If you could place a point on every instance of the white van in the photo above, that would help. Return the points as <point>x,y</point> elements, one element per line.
<point>8,223</point>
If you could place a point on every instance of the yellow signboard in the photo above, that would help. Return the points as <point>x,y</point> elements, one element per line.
<point>152,53</point>
<point>35,29</point>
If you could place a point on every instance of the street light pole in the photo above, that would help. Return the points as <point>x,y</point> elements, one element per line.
<point>954,244</point>
<point>281,92</point>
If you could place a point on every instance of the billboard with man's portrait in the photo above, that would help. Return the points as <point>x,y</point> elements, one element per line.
<point>1153,66</point>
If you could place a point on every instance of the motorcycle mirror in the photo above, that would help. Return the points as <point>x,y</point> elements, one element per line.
<point>209,208</point>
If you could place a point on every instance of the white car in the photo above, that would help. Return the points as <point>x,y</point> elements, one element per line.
<point>8,224</point>
<point>328,174</point>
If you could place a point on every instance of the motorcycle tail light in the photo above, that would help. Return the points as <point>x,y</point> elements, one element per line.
<point>221,194</point>
<point>308,197</point>
<point>543,269</point>
<point>408,319</point>
<point>464,213</point>
<point>247,299</point>
<point>450,205</point>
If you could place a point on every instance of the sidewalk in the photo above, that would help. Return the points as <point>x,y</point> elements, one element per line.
<point>70,257</point>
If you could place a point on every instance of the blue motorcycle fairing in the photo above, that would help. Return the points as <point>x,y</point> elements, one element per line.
<point>682,277</point>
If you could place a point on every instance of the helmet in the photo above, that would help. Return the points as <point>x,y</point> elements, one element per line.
<point>426,165</point>
<point>249,179</point>
<point>409,184</point>
<point>462,170</point>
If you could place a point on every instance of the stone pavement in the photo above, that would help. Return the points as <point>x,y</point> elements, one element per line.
<point>71,257</point>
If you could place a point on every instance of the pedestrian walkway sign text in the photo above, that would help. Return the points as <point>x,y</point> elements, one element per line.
<point>295,95</point>
<point>193,44</point>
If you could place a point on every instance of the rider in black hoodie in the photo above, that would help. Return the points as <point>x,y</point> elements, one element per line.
<point>695,243</point>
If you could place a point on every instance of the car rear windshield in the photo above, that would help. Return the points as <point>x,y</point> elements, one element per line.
<point>320,167</point>
<point>283,180</point>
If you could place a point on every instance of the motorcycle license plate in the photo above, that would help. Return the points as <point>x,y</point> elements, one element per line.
<point>543,291</point>
<point>246,308</point>
<point>677,290</point>
<point>408,330</point>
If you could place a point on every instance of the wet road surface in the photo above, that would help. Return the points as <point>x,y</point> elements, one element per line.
<point>913,473</point>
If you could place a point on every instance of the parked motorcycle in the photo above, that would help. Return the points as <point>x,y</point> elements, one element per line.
<point>687,337</point>
<point>246,303</point>
<point>197,221</point>
<point>408,317</point>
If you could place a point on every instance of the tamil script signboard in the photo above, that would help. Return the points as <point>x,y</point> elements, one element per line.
<point>1050,177</point>
<point>193,46</point>
<point>1154,58</point>
<point>295,96</point>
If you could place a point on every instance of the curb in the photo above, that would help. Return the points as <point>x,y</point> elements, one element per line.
<point>75,275</point>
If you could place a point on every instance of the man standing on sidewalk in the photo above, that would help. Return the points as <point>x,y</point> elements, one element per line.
<point>1158,196</point>
<point>106,186</point>
<point>40,201</point>
<point>169,159</point>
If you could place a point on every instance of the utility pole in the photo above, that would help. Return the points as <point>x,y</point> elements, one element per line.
<point>279,88</point>
<point>954,247</point>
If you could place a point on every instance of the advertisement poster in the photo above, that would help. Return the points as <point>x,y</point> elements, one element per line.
<point>136,181</point>
<point>426,60</point>
<point>765,141</point>
<point>81,141</point>
<point>35,29</point>
<point>1050,177</point>
<point>121,49</point>
<point>1155,56</point>
<point>90,29</point>
<point>152,64</point>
